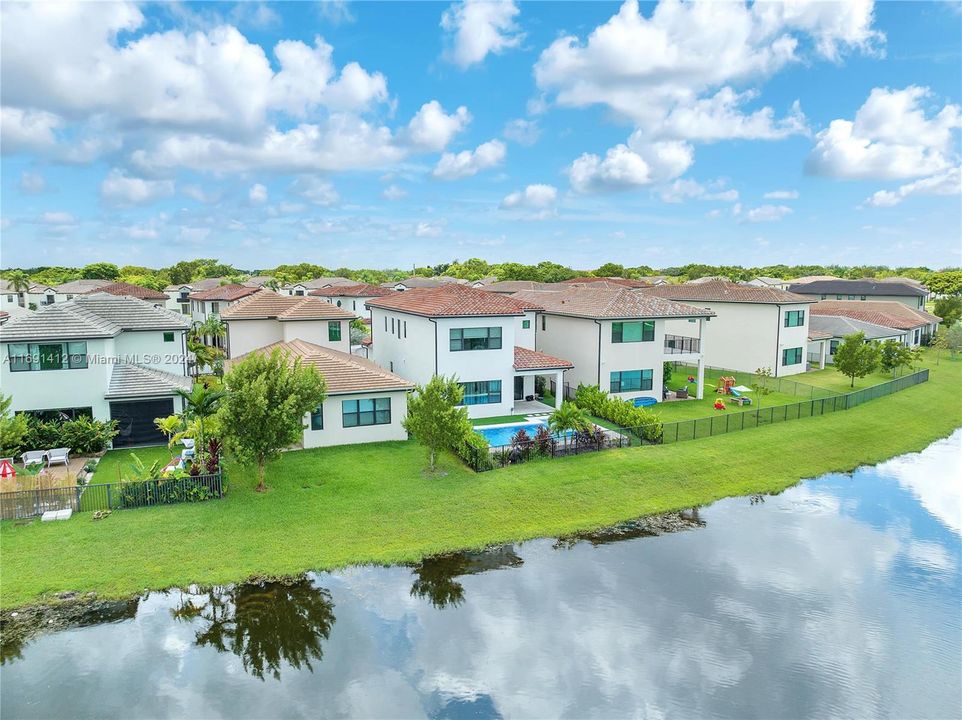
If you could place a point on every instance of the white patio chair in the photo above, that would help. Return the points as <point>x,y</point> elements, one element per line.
<point>33,457</point>
<point>58,456</point>
<point>189,448</point>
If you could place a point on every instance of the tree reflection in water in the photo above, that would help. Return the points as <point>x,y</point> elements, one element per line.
<point>264,623</point>
<point>649,526</point>
<point>436,575</point>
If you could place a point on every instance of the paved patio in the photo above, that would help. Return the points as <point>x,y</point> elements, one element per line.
<point>56,476</point>
<point>531,407</point>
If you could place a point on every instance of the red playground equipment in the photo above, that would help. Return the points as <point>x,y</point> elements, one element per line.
<point>720,404</point>
<point>725,385</point>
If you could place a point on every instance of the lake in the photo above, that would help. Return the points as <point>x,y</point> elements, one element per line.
<point>838,597</point>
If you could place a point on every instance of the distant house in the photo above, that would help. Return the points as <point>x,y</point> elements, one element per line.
<point>919,326</point>
<point>259,281</point>
<point>178,296</point>
<point>770,282</point>
<point>40,294</point>
<point>506,287</point>
<point>267,317</point>
<point>105,356</point>
<point>416,281</point>
<point>605,281</point>
<point>753,327</point>
<point>364,403</point>
<point>12,301</point>
<point>482,282</point>
<point>826,333</point>
<point>305,287</point>
<point>908,294</point>
<point>351,297</point>
<point>154,297</point>
<point>210,303</point>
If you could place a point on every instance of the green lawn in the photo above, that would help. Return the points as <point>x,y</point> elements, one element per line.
<point>374,503</point>
<point>498,420</point>
<point>116,462</point>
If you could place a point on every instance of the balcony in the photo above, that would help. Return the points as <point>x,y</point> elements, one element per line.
<point>680,345</point>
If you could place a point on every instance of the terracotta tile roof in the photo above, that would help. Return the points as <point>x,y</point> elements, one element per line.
<point>452,300</point>
<point>197,285</point>
<point>888,313</point>
<point>344,373</point>
<point>131,290</point>
<point>612,281</point>
<point>724,291</point>
<point>818,334</point>
<point>416,281</point>
<point>512,286</point>
<point>596,302</point>
<point>356,290</point>
<point>840,326</point>
<point>528,359</point>
<point>81,287</point>
<point>227,293</point>
<point>269,304</point>
<point>858,287</point>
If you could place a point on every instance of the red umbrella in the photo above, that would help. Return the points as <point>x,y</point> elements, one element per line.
<point>7,470</point>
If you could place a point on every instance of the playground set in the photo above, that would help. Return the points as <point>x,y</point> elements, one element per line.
<point>726,386</point>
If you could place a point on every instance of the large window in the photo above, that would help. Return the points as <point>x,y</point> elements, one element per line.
<point>794,318</point>
<point>626,332</point>
<point>791,356</point>
<point>47,356</point>
<point>483,392</point>
<point>317,418</point>
<point>334,331</point>
<point>374,411</point>
<point>832,346</point>
<point>483,338</point>
<point>631,380</point>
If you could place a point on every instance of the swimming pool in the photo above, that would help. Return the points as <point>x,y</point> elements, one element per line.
<point>501,434</point>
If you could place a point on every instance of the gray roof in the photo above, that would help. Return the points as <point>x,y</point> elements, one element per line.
<point>323,282</point>
<point>127,380</point>
<point>196,285</point>
<point>97,315</point>
<point>79,287</point>
<point>838,327</point>
<point>857,287</point>
<point>416,281</point>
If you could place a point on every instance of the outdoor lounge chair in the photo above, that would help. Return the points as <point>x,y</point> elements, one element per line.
<point>33,457</point>
<point>58,456</point>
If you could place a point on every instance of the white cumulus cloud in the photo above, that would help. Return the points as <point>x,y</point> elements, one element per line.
<point>630,166</point>
<point>763,213</point>
<point>479,27</point>
<point>394,192</point>
<point>533,196</point>
<point>522,131</point>
<point>121,189</point>
<point>316,190</point>
<point>781,195</point>
<point>947,183</point>
<point>453,166</point>
<point>257,194</point>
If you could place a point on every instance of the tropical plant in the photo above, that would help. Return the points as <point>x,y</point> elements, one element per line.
<point>212,461</point>
<point>621,412</point>
<point>200,404</point>
<point>264,410</point>
<point>170,426</point>
<point>544,442</point>
<point>19,281</point>
<point>359,331</point>
<point>138,470</point>
<point>475,450</point>
<point>666,371</point>
<point>13,428</point>
<point>435,416</point>
<point>522,443</point>
<point>856,358</point>
<point>205,355</point>
<point>953,339</point>
<point>569,417</point>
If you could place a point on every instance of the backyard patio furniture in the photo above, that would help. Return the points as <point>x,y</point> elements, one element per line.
<point>681,393</point>
<point>58,456</point>
<point>189,449</point>
<point>33,457</point>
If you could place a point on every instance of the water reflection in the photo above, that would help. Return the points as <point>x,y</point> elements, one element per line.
<point>265,623</point>
<point>650,526</point>
<point>436,576</point>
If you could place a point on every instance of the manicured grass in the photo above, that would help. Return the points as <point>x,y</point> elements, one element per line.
<point>374,503</point>
<point>115,464</point>
<point>498,420</point>
<point>832,379</point>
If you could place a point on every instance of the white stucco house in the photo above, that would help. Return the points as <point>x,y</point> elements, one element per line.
<point>305,287</point>
<point>826,332</point>
<point>211,303</point>
<point>416,281</point>
<point>267,318</point>
<point>12,302</point>
<point>753,327</point>
<point>178,296</point>
<point>770,282</point>
<point>909,294</point>
<point>918,325</point>
<point>106,356</point>
<point>617,338</point>
<point>40,295</point>
<point>364,403</point>
<point>485,339</point>
<point>351,297</point>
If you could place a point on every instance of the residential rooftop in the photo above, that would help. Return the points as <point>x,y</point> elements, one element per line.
<point>725,291</point>
<point>322,282</point>
<point>267,304</point>
<point>344,373</point>
<point>837,326</point>
<point>81,287</point>
<point>131,290</point>
<point>452,300</point>
<point>225,293</point>
<point>354,290</point>
<point>858,287</point>
<point>887,313</point>
<point>129,380</point>
<point>607,303</point>
<point>97,315</point>
<point>528,359</point>
<point>417,281</point>
<point>611,281</point>
<point>197,285</point>
<point>513,286</point>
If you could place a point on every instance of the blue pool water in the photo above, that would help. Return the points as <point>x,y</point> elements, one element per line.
<point>502,435</point>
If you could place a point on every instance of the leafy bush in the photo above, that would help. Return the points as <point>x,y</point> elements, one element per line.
<point>544,441</point>
<point>523,443</point>
<point>83,435</point>
<point>621,412</point>
<point>212,460</point>
<point>13,429</point>
<point>474,449</point>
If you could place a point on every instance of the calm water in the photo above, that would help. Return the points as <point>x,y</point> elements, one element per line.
<point>839,597</point>
<point>498,436</point>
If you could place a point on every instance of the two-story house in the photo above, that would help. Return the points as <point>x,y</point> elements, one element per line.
<point>918,325</point>
<point>909,294</point>
<point>205,304</point>
<point>267,318</point>
<point>753,327</point>
<point>101,355</point>
<point>306,286</point>
<point>12,301</point>
<point>616,337</point>
<point>484,339</point>
<point>351,297</point>
<point>178,295</point>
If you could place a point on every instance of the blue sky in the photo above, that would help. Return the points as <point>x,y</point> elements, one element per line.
<point>394,134</point>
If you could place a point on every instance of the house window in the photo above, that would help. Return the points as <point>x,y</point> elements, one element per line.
<point>374,411</point>
<point>630,380</point>
<point>298,292</point>
<point>214,308</point>
<point>794,318</point>
<point>70,297</point>
<point>918,336</point>
<point>47,356</point>
<point>851,297</point>
<point>483,392</point>
<point>185,309</point>
<point>9,298</point>
<point>317,418</point>
<point>405,328</point>
<point>353,304</point>
<point>832,347</point>
<point>791,356</point>
<point>862,298</point>
<point>334,331</point>
<point>168,337</point>
<point>525,324</point>
<point>543,318</point>
<point>628,332</point>
<point>385,323</point>
<point>838,297</point>
<point>339,303</point>
<point>483,338</point>
<point>392,326</point>
<point>824,296</point>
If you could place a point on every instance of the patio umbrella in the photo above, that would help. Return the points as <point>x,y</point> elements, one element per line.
<point>7,470</point>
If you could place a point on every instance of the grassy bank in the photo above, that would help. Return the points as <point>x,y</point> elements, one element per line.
<point>373,503</point>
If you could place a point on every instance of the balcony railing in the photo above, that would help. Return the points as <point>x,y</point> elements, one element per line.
<point>677,344</point>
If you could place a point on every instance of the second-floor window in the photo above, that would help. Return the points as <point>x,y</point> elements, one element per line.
<point>794,318</point>
<point>631,380</point>
<point>214,308</point>
<point>47,356</point>
<point>791,356</point>
<point>484,338</point>
<point>334,331</point>
<point>627,332</point>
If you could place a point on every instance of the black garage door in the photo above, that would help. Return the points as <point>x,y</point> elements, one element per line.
<point>135,420</point>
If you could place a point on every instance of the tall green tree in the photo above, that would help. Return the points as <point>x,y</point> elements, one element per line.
<point>953,339</point>
<point>949,309</point>
<point>19,281</point>
<point>100,271</point>
<point>856,358</point>
<point>435,416</point>
<point>200,404</point>
<point>267,399</point>
<point>894,355</point>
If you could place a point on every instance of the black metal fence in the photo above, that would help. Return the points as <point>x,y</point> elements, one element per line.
<point>675,344</point>
<point>111,496</point>
<point>574,444</point>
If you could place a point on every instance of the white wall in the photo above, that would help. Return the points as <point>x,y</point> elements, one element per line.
<point>351,304</point>
<point>173,302</point>
<point>246,335</point>
<point>315,331</point>
<point>526,337</point>
<point>574,340</point>
<point>916,303</point>
<point>408,352</point>
<point>149,348</point>
<point>334,432</point>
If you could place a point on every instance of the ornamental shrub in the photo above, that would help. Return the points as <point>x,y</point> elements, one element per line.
<point>621,412</point>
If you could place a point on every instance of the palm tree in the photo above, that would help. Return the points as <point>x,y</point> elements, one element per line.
<point>200,403</point>
<point>19,282</point>
<point>568,417</point>
<point>213,328</point>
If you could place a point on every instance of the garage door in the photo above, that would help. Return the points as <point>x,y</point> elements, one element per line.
<point>135,421</point>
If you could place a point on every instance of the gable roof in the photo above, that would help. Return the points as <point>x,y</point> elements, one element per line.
<point>768,280</point>
<point>257,280</point>
<point>197,285</point>
<point>528,359</point>
<point>840,325</point>
<point>344,373</point>
<point>609,303</point>
<point>609,281</point>
<point>857,287</point>
<point>354,290</point>
<point>417,281</point>
<point>81,287</point>
<point>227,293</point>
<point>98,315</point>
<point>129,380</point>
<point>887,313</point>
<point>724,291</point>
<point>131,290</point>
<point>451,300</point>
<point>268,304</point>
<point>513,286</point>
<point>322,282</point>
